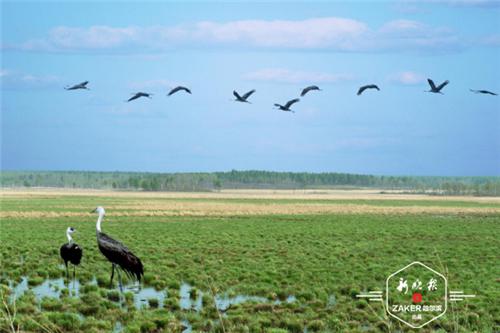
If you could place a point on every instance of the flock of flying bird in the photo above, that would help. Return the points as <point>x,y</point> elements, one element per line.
<point>286,107</point>
<point>120,257</point>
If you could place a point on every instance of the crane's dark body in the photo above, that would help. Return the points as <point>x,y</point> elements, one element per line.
<point>486,92</point>
<point>434,89</point>
<point>82,85</point>
<point>287,106</point>
<point>119,255</point>
<point>73,253</point>
<point>368,86</point>
<point>139,95</point>
<point>308,89</point>
<point>179,88</point>
<point>244,98</point>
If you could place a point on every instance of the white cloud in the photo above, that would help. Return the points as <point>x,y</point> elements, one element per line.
<point>328,33</point>
<point>311,33</point>
<point>407,78</point>
<point>288,76</point>
<point>17,80</point>
<point>491,40</point>
<point>402,26</point>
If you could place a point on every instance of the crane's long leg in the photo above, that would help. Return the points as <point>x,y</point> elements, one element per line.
<point>119,280</point>
<point>74,275</point>
<point>112,274</point>
<point>67,273</point>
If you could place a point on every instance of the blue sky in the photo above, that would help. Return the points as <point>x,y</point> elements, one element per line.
<point>276,48</point>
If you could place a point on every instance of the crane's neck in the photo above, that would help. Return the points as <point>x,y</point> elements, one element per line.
<point>99,220</point>
<point>70,240</point>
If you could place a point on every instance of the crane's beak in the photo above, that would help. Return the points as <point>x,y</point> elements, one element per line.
<point>93,211</point>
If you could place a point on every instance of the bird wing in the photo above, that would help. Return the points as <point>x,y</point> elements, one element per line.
<point>483,92</point>
<point>442,85</point>
<point>307,89</point>
<point>361,89</point>
<point>173,91</point>
<point>83,84</point>
<point>119,254</point>
<point>136,96</point>
<point>77,253</point>
<point>290,103</point>
<point>431,83</point>
<point>235,93</point>
<point>375,87</point>
<point>176,89</point>
<point>71,252</point>
<point>248,94</point>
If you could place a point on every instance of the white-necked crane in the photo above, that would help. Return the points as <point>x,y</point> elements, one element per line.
<point>368,86</point>
<point>117,254</point>
<point>82,85</point>
<point>139,95</point>
<point>486,92</point>
<point>243,98</point>
<point>434,89</point>
<point>71,252</point>
<point>179,88</point>
<point>287,106</point>
<point>308,89</point>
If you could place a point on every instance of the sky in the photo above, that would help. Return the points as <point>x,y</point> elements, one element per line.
<point>276,48</point>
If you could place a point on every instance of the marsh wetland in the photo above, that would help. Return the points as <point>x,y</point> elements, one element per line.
<point>243,262</point>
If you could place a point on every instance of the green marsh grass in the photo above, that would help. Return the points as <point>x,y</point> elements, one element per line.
<point>323,260</point>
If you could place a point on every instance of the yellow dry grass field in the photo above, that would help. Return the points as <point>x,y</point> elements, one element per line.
<point>319,194</point>
<point>248,202</point>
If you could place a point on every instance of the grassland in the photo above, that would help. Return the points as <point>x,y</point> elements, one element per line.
<point>321,247</point>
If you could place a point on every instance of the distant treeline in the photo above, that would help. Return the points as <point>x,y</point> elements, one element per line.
<point>213,181</point>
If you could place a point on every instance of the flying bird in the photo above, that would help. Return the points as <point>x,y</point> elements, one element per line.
<point>244,98</point>
<point>179,88</point>
<point>434,89</point>
<point>82,85</point>
<point>117,254</point>
<point>368,86</point>
<point>487,92</point>
<point>139,95</point>
<point>71,252</point>
<point>308,89</point>
<point>287,106</point>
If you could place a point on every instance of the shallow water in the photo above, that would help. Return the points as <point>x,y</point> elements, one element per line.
<point>118,327</point>
<point>332,300</point>
<point>53,287</point>
<point>142,296</point>
<point>49,288</point>
<point>189,327</point>
<point>185,300</point>
<point>223,302</point>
